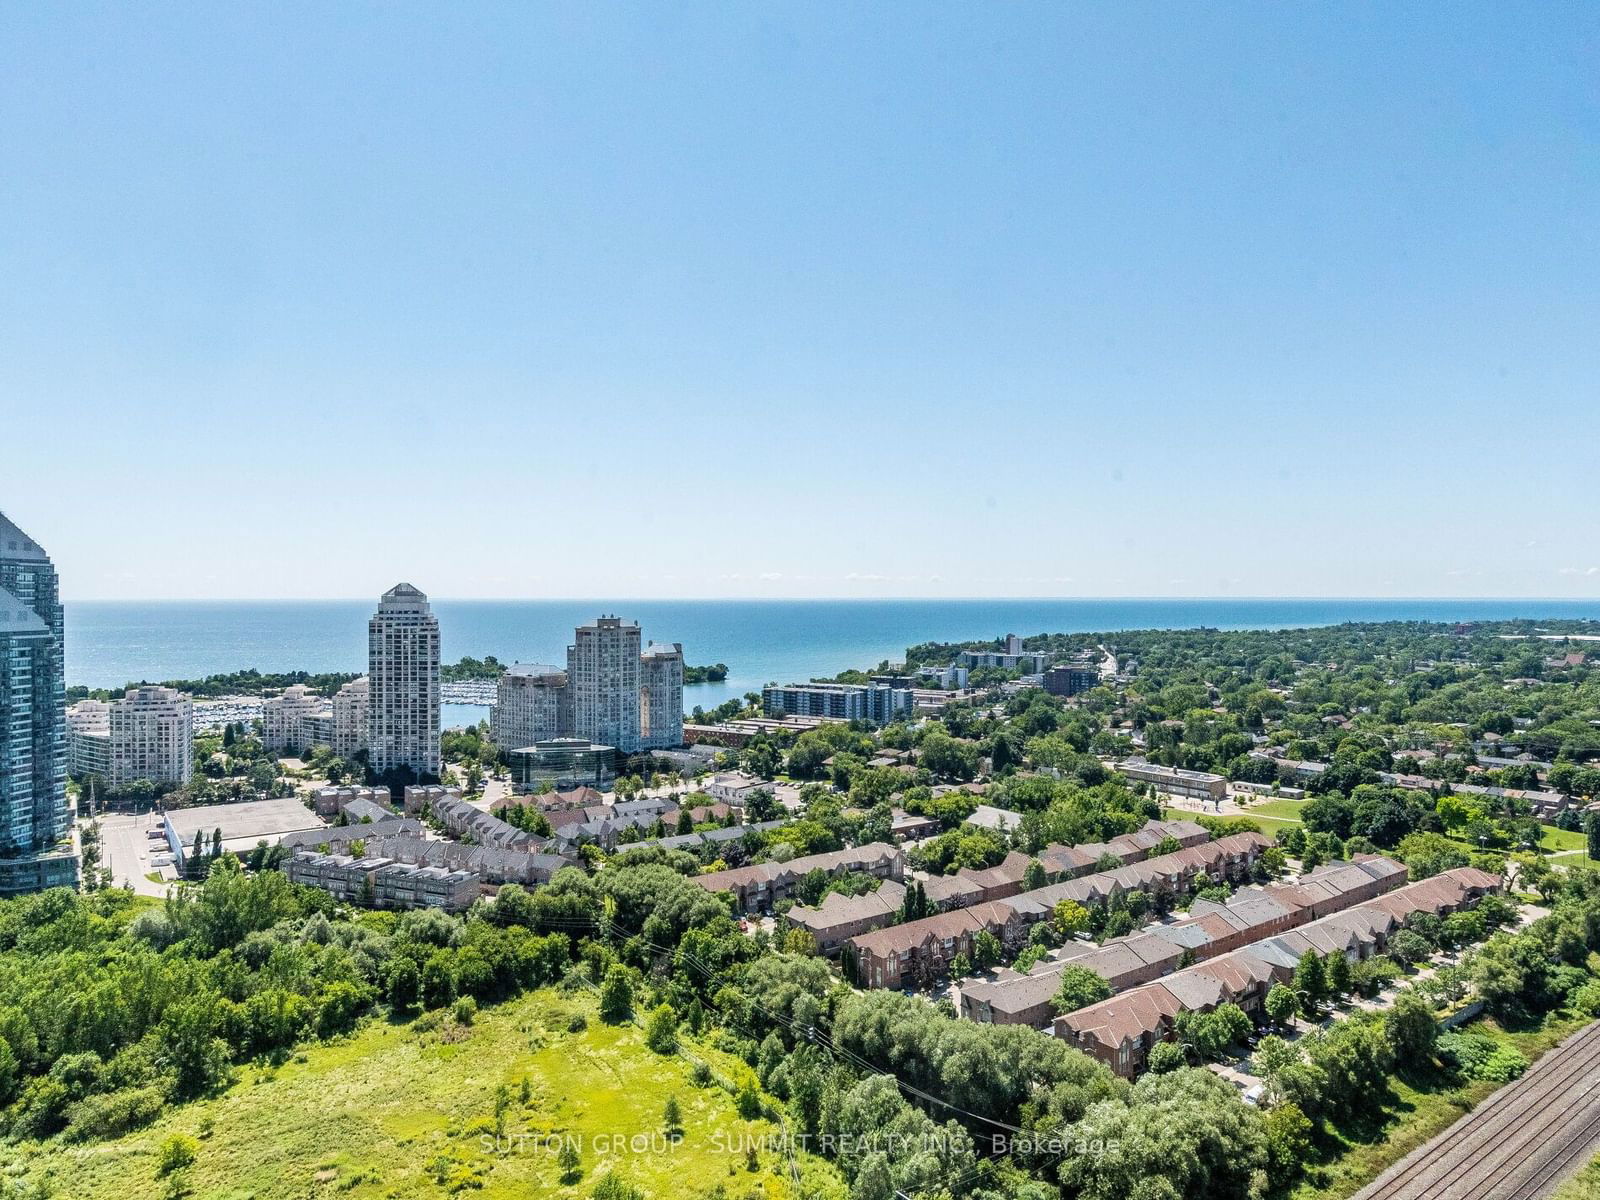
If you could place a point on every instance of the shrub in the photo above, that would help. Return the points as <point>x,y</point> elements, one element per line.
<point>1477,1056</point>
<point>177,1152</point>
<point>466,1010</point>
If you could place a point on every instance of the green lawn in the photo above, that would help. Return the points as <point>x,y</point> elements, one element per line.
<point>1269,824</point>
<point>393,1113</point>
<point>1280,810</point>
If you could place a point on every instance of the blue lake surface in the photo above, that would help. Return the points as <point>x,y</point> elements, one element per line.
<point>110,643</point>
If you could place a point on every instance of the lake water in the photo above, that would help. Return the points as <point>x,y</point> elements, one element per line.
<point>110,643</point>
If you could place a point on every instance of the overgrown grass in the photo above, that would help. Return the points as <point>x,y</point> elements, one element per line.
<point>1585,1185</point>
<point>401,1110</point>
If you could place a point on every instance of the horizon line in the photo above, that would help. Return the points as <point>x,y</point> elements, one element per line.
<point>1023,599</point>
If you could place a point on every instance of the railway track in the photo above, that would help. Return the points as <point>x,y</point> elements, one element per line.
<point>1517,1145</point>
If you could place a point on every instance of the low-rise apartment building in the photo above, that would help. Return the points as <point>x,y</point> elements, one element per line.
<point>1197,785</point>
<point>384,883</point>
<point>1070,681</point>
<point>877,704</point>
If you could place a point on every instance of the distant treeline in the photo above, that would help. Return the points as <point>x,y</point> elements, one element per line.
<point>231,683</point>
<point>254,683</point>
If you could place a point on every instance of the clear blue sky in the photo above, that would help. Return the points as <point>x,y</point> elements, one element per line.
<point>766,299</point>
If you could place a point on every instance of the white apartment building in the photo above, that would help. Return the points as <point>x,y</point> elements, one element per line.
<point>661,696</point>
<point>532,704</point>
<point>603,676</point>
<point>350,718</point>
<point>89,739</point>
<point>403,683</point>
<point>286,718</point>
<point>152,736</point>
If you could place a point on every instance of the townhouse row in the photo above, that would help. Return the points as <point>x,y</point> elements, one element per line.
<point>1121,1031</point>
<point>839,918</point>
<point>758,887</point>
<point>1210,929</point>
<point>920,951</point>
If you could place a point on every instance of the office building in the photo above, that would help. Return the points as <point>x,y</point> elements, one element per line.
<point>661,696</point>
<point>603,674</point>
<point>350,718</point>
<point>532,704</point>
<point>35,850</point>
<point>152,737</point>
<point>562,763</point>
<point>1070,681</point>
<point>1197,785</point>
<point>878,704</point>
<point>284,719</point>
<point>403,684</point>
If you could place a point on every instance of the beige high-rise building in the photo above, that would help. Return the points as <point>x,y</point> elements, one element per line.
<point>350,718</point>
<point>284,718</point>
<point>403,684</point>
<point>603,676</point>
<point>532,704</point>
<point>152,736</point>
<point>661,695</point>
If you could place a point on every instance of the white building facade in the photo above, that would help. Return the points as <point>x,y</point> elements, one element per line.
<point>89,739</point>
<point>403,684</point>
<point>532,704</point>
<point>285,717</point>
<point>152,736</point>
<point>661,696</point>
<point>603,675</point>
<point>350,718</point>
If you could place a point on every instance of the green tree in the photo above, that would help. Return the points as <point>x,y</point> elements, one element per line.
<point>1166,1056</point>
<point>1079,987</point>
<point>1281,1004</point>
<point>672,1117</point>
<point>661,1031</point>
<point>1288,1142</point>
<point>616,995</point>
<point>1409,1027</point>
<point>1069,918</point>
<point>986,950</point>
<point>1337,971</point>
<point>569,1160</point>
<point>1310,982</point>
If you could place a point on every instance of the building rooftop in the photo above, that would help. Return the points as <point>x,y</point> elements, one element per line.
<point>243,825</point>
<point>16,546</point>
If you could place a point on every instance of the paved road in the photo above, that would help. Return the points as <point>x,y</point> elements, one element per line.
<point>127,847</point>
<point>1517,1145</point>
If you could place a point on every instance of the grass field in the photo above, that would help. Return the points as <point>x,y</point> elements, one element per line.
<point>1421,1106</point>
<point>393,1112</point>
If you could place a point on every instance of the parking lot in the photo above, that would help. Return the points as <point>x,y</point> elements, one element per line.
<point>127,849</point>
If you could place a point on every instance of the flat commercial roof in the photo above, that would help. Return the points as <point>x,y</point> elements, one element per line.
<point>247,823</point>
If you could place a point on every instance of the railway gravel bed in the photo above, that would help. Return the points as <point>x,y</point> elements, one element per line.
<point>1517,1145</point>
